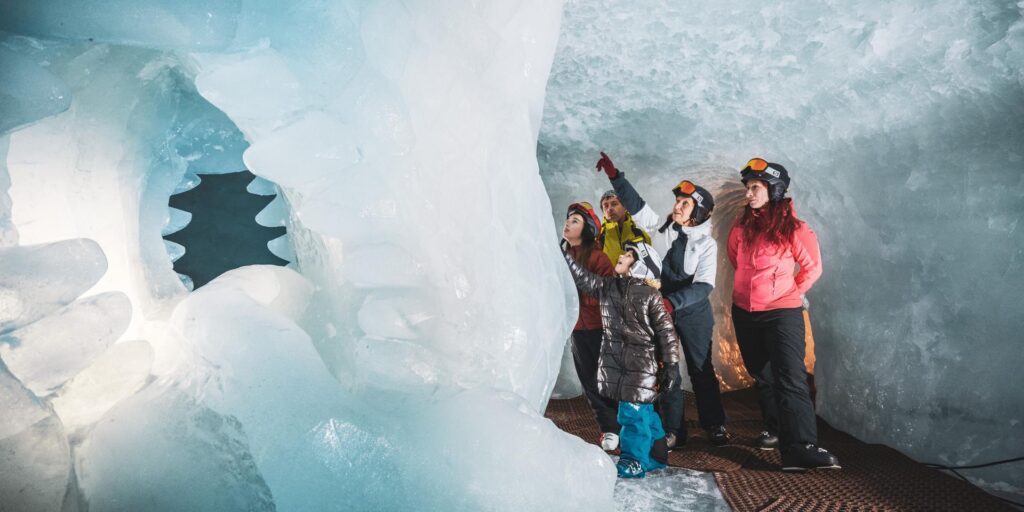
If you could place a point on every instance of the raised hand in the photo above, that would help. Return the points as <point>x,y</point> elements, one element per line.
<point>605,164</point>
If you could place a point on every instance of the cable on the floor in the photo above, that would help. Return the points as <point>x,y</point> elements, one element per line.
<point>974,466</point>
<point>954,469</point>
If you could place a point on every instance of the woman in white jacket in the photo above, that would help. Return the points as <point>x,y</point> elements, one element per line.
<point>687,278</point>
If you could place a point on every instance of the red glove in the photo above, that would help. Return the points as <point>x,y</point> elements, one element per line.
<point>605,164</point>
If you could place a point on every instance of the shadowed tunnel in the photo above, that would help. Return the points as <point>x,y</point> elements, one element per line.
<point>223,233</point>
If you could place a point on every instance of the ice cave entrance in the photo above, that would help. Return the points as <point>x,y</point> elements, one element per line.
<point>219,222</point>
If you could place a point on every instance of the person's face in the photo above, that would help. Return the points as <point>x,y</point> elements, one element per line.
<point>757,193</point>
<point>624,263</point>
<point>573,229</point>
<point>613,209</point>
<point>682,210</point>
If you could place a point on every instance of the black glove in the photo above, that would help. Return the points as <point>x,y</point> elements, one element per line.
<point>668,377</point>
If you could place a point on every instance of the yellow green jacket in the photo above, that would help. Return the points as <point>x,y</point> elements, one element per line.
<point>616,234</point>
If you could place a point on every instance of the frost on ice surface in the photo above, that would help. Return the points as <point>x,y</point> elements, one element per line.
<point>23,408</point>
<point>28,91</point>
<point>176,221</point>
<point>37,280</point>
<point>670,490</point>
<point>35,460</point>
<point>51,350</point>
<point>190,24</point>
<point>118,373</point>
<point>176,445</point>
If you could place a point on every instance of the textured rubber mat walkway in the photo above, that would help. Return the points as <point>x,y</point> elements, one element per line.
<point>874,477</point>
<point>574,416</point>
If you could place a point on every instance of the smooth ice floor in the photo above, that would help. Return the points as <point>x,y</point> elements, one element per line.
<point>670,490</point>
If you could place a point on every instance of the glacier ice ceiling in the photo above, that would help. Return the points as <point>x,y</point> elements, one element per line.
<point>420,154</point>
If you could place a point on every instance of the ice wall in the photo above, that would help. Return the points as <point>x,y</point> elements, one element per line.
<point>404,366</point>
<point>410,120</point>
<point>103,168</point>
<point>901,126</point>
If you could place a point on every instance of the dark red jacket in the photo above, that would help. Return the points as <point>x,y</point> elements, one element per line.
<point>590,311</point>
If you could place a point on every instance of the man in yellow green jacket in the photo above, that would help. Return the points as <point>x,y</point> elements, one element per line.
<point>618,228</point>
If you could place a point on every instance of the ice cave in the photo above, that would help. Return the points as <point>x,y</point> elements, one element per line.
<point>304,255</point>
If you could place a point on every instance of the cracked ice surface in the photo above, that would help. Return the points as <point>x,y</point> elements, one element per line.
<point>670,490</point>
<point>901,127</point>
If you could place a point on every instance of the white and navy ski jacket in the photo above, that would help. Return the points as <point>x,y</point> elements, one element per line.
<point>691,255</point>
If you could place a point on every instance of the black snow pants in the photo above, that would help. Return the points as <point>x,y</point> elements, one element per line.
<point>773,347</point>
<point>694,326</point>
<point>586,348</point>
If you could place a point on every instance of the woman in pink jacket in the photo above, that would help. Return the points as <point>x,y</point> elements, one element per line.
<point>765,246</point>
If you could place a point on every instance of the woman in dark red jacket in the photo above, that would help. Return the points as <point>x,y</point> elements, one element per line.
<point>765,245</point>
<point>581,230</point>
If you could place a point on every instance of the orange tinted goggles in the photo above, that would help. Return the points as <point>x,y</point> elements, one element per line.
<point>756,165</point>
<point>685,187</point>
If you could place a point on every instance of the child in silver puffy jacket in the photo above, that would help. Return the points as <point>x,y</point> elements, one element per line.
<point>639,353</point>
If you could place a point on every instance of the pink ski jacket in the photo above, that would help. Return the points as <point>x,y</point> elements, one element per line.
<point>766,276</point>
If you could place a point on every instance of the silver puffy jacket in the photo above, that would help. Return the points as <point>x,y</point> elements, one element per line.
<point>638,334</point>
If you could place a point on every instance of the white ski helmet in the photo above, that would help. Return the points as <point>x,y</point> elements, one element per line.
<point>648,261</point>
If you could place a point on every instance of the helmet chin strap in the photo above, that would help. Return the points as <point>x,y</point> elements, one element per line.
<point>648,260</point>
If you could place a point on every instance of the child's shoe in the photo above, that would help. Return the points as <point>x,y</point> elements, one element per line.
<point>718,436</point>
<point>629,468</point>
<point>609,441</point>
<point>767,441</point>
<point>807,457</point>
<point>674,441</point>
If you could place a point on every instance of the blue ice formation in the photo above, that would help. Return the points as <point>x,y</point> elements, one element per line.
<point>405,361</point>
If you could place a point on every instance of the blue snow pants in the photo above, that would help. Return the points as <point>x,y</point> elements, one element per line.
<point>641,426</point>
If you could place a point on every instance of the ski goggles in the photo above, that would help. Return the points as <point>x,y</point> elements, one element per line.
<point>759,165</point>
<point>580,206</point>
<point>685,187</point>
<point>587,211</point>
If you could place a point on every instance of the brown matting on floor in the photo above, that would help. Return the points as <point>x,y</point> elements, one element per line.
<point>575,417</point>
<point>874,477</point>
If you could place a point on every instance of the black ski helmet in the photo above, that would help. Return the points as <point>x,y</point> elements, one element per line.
<point>703,202</point>
<point>772,173</point>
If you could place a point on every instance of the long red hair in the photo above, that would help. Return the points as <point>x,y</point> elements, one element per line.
<point>774,223</point>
